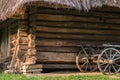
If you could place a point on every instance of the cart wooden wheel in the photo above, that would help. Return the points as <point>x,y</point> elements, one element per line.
<point>84,62</point>
<point>109,61</point>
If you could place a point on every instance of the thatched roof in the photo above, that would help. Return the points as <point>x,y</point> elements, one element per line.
<point>9,7</point>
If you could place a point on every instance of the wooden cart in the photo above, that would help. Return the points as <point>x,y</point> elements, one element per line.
<point>105,58</point>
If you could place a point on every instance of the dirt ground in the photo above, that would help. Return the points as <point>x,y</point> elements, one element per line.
<point>65,73</point>
<point>68,73</point>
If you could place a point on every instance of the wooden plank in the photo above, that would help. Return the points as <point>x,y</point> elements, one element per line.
<point>78,37</point>
<point>76,31</point>
<point>34,66</point>
<point>50,17</point>
<point>31,70</point>
<point>59,66</point>
<point>55,57</point>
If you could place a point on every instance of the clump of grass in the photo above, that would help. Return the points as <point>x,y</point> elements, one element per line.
<point>72,77</point>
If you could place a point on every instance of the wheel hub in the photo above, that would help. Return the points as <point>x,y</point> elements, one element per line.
<point>111,62</point>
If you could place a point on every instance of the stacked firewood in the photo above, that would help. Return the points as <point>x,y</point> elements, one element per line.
<point>30,65</point>
<point>18,48</point>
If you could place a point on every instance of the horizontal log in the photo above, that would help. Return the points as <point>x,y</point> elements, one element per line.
<point>59,66</point>
<point>113,21</point>
<point>61,43</point>
<point>49,17</point>
<point>23,27</point>
<point>77,31</point>
<point>78,37</point>
<point>93,13</point>
<point>75,25</point>
<point>58,49</point>
<point>55,57</point>
<point>23,22</point>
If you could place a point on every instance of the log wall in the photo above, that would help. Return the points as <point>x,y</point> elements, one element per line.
<point>8,30</point>
<point>60,32</point>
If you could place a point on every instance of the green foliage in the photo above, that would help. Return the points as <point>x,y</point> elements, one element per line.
<point>73,77</point>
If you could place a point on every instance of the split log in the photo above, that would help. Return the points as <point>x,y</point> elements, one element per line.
<point>31,51</point>
<point>31,44</point>
<point>22,33</point>
<point>12,50</point>
<point>31,37</point>
<point>30,60</point>
<point>13,43</point>
<point>13,37</point>
<point>23,40</point>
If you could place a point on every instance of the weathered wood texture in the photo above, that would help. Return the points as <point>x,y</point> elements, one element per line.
<point>60,32</point>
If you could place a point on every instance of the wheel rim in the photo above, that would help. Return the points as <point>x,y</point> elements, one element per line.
<point>84,63</point>
<point>109,61</point>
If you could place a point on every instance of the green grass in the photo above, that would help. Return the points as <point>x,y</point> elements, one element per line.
<point>73,77</point>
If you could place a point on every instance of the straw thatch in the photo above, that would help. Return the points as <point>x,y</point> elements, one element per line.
<point>9,7</point>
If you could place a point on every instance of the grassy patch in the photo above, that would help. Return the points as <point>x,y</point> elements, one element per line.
<point>73,77</point>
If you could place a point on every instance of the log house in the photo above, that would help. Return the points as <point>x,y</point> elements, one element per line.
<point>48,36</point>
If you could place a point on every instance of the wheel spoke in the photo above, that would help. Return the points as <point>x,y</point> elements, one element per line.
<point>119,70</point>
<point>103,64</point>
<point>84,51</point>
<point>110,54</point>
<point>106,67</point>
<point>92,51</point>
<point>90,67</point>
<point>86,67</point>
<point>114,55</point>
<point>109,69</point>
<point>117,64</point>
<point>107,55</point>
<point>83,65</point>
<point>114,68</point>
<point>117,58</point>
